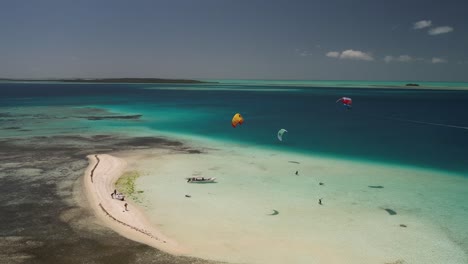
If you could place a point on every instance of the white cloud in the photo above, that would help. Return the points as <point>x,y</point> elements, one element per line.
<point>401,58</point>
<point>388,59</point>
<point>439,30</point>
<point>356,55</point>
<point>302,53</point>
<point>438,60</point>
<point>407,58</point>
<point>404,58</point>
<point>333,54</point>
<point>422,24</point>
<point>350,55</point>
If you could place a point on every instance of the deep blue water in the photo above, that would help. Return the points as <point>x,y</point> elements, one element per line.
<point>384,124</point>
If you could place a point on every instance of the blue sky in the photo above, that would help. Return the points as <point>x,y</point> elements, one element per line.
<point>316,40</point>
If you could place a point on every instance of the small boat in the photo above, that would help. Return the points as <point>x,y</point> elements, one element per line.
<point>200,180</point>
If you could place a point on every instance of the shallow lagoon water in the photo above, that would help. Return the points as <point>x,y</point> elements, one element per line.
<point>232,219</point>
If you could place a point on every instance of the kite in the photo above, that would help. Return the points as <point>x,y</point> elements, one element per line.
<point>346,101</point>
<point>237,120</point>
<point>280,134</point>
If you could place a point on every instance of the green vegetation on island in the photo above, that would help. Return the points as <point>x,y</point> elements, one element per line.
<point>126,185</point>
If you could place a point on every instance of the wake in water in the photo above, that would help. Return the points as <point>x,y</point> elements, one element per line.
<point>426,123</point>
<point>418,122</point>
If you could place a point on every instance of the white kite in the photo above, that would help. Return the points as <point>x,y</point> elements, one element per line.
<point>280,134</point>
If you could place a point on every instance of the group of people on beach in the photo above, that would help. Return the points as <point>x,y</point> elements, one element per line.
<point>114,194</point>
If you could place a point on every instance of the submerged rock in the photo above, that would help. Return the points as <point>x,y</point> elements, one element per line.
<point>375,186</point>
<point>390,211</point>
<point>275,212</point>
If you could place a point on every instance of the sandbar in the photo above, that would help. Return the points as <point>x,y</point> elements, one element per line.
<point>99,182</point>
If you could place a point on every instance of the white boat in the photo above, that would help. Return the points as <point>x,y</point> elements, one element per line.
<point>200,180</point>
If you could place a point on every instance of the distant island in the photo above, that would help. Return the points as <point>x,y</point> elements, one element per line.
<point>108,80</point>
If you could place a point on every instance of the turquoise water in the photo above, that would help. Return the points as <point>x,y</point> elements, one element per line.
<point>419,128</point>
<point>425,128</point>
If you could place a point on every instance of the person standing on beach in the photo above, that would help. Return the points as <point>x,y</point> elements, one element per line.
<point>115,191</point>
<point>126,206</point>
<point>320,201</point>
<point>112,195</point>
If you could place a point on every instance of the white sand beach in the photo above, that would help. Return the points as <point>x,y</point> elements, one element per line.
<point>99,180</point>
<point>233,220</point>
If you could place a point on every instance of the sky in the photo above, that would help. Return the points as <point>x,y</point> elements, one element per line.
<point>385,40</point>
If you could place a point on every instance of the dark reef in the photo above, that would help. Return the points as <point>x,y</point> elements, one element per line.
<point>127,117</point>
<point>42,219</point>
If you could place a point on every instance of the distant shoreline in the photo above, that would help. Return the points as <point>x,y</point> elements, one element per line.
<point>342,84</point>
<point>410,85</point>
<point>109,80</point>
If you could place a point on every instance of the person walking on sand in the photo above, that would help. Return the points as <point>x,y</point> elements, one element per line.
<point>320,201</point>
<point>115,191</point>
<point>126,206</point>
<point>112,195</point>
